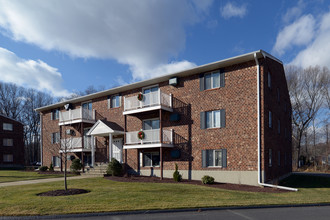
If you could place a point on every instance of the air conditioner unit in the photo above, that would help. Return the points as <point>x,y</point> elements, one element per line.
<point>69,132</point>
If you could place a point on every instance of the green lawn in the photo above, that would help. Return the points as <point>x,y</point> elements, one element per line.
<point>107,196</point>
<point>17,175</point>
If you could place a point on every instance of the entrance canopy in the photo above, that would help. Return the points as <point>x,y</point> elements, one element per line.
<point>103,128</point>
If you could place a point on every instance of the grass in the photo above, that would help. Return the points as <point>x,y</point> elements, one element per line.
<point>18,175</point>
<point>107,196</point>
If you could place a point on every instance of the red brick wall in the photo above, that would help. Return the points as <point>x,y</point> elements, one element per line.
<point>17,150</point>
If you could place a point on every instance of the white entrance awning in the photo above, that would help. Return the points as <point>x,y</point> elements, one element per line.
<point>103,128</point>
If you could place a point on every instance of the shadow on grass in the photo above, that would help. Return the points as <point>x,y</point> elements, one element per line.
<point>306,181</point>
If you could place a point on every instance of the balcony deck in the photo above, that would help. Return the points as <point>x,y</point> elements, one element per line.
<point>151,139</point>
<point>77,116</point>
<point>75,144</point>
<point>150,101</point>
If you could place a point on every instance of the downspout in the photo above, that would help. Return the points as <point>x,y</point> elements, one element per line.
<point>259,127</point>
<point>41,158</point>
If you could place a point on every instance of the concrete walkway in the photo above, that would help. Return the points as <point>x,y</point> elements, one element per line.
<point>27,182</point>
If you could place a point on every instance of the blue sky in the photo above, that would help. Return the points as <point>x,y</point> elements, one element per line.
<point>61,47</point>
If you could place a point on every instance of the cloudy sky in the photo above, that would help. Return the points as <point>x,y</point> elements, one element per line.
<point>63,46</point>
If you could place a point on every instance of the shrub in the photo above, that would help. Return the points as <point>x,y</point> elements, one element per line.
<point>51,168</point>
<point>207,180</point>
<point>76,165</point>
<point>176,175</point>
<point>114,168</point>
<point>43,168</point>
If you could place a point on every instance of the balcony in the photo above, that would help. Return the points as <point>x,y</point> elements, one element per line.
<point>75,144</point>
<point>151,139</point>
<point>77,116</point>
<point>151,101</point>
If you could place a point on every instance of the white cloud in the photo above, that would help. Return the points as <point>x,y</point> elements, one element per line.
<point>141,34</point>
<point>299,33</point>
<point>294,12</point>
<point>317,52</point>
<point>30,73</point>
<point>231,10</point>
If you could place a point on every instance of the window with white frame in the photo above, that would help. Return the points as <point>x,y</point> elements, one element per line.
<point>214,158</point>
<point>55,114</point>
<point>114,101</point>
<point>87,105</point>
<point>151,159</point>
<point>8,158</point>
<point>56,160</point>
<point>55,137</point>
<point>7,142</point>
<point>269,80</point>
<point>270,155</point>
<point>270,119</point>
<point>213,119</point>
<point>7,126</point>
<point>212,80</point>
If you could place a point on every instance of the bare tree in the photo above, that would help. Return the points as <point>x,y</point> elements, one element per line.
<point>11,100</point>
<point>306,88</point>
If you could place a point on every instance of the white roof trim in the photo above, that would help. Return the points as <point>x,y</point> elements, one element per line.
<point>101,129</point>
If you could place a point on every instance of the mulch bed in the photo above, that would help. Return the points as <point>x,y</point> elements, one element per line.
<point>63,192</point>
<point>228,186</point>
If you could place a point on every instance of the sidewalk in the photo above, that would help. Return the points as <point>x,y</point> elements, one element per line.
<point>27,182</point>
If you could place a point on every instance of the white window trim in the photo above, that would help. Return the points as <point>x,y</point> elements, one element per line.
<point>212,119</point>
<point>148,87</point>
<point>149,119</point>
<point>213,155</point>
<point>5,127</point>
<point>87,102</point>
<point>211,73</point>
<point>109,101</point>
<point>152,152</point>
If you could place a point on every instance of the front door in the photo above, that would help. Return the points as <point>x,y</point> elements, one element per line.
<point>117,149</point>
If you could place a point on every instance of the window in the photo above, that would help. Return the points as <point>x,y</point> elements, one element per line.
<point>56,161</point>
<point>151,124</point>
<point>55,137</point>
<point>279,158</point>
<point>270,155</point>
<point>8,158</point>
<point>7,127</point>
<point>270,124</point>
<point>87,105</point>
<point>212,80</point>
<point>151,159</point>
<point>55,114</point>
<point>151,95</point>
<point>7,142</point>
<point>213,119</point>
<point>269,80</point>
<point>214,158</point>
<point>278,94</point>
<point>278,126</point>
<point>114,101</point>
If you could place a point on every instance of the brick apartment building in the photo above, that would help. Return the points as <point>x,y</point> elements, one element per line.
<point>11,143</point>
<point>230,119</point>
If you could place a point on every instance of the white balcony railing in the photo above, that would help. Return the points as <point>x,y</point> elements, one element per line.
<point>150,137</point>
<point>77,114</point>
<point>76,143</point>
<point>157,98</point>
